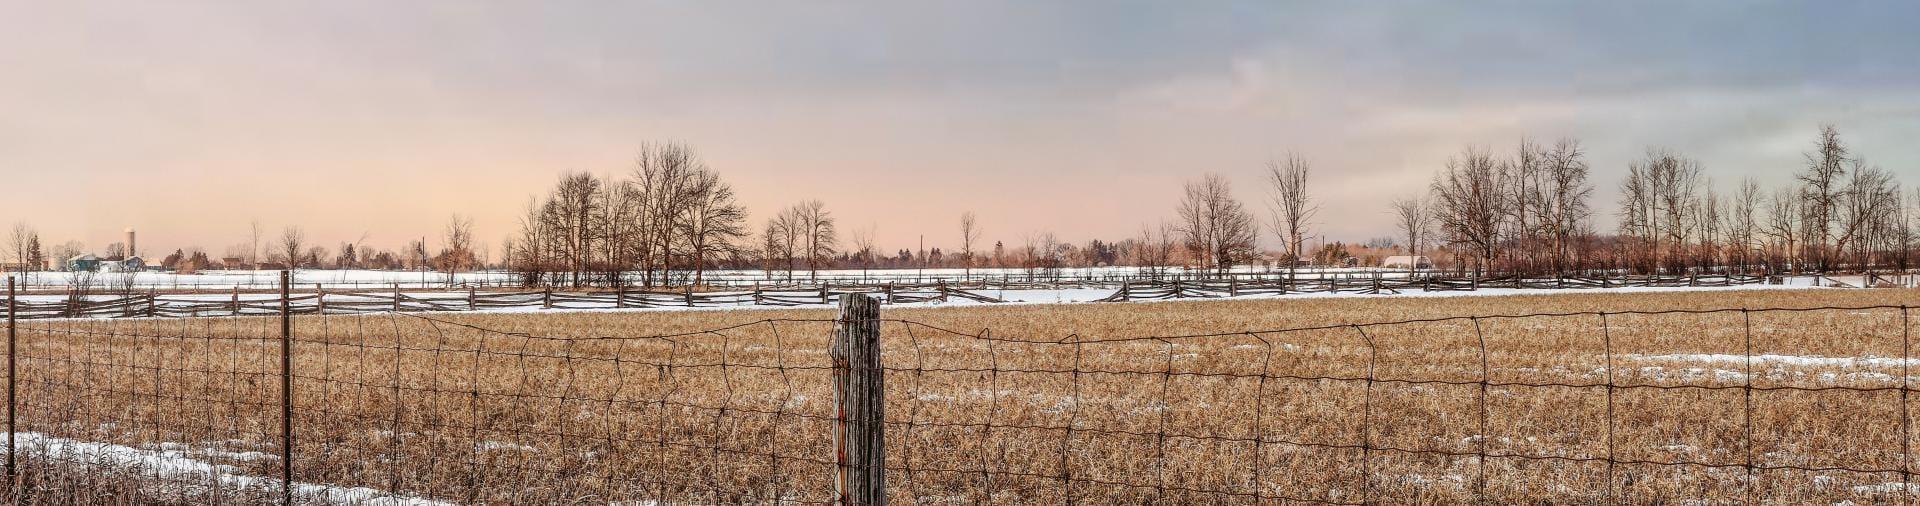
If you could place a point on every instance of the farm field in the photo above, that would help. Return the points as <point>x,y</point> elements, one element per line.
<point>1225,401</point>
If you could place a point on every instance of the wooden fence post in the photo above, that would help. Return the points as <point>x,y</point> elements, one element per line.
<point>320,299</point>
<point>286,387</point>
<point>236,300</point>
<point>396,297</point>
<point>859,388</point>
<point>470,306</point>
<point>12,372</point>
<point>546,298</point>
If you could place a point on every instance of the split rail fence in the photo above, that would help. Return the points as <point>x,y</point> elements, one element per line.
<point>1574,407</point>
<point>320,300</point>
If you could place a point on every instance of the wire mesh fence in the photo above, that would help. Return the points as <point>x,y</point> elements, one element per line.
<point>1736,405</point>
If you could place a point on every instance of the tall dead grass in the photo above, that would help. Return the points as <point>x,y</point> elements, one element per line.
<point>1014,404</point>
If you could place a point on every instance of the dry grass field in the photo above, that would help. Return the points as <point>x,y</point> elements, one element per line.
<point>1094,403</point>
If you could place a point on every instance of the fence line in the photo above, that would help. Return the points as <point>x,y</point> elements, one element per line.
<point>415,407</point>
<point>322,301</point>
<point>1039,279</point>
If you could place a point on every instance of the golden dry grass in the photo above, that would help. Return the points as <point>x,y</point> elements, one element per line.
<point>1060,405</point>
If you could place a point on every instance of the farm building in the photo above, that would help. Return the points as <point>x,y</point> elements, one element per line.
<point>130,264</point>
<point>83,262</point>
<point>1407,262</point>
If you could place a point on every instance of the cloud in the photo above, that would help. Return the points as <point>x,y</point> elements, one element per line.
<point>188,119</point>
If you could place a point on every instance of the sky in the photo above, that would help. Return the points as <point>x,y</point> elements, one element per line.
<point>376,121</point>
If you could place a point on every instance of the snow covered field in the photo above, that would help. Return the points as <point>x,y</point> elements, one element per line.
<point>361,278</point>
<point>136,304</point>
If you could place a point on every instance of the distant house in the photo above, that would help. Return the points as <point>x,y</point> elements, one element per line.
<point>83,262</point>
<point>233,263</point>
<point>1407,262</point>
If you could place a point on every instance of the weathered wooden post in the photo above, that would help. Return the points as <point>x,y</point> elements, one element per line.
<point>286,387</point>
<point>12,372</point>
<point>320,299</point>
<point>236,300</point>
<point>546,298</point>
<point>396,297</point>
<point>689,294</point>
<point>859,390</point>
<point>470,305</point>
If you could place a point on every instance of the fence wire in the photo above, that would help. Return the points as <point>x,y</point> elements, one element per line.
<point>1776,405</point>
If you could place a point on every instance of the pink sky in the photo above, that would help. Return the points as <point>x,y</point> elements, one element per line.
<point>188,121</point>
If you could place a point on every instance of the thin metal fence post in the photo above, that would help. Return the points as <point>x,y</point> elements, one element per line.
<point>286,387</point>
<point>859,388</point>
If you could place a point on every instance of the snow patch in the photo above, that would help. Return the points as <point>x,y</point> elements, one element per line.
<point>176,465</point>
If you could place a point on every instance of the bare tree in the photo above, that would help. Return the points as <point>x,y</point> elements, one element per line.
<point>570,213</point>
<point>1468,206</point>
<point>969,233</point>
<point>21,241</point>
<point>255,233</point>
<point>665,177</point>
<point>1784,212</point>
<point>1820,188</point>
<point>1410,214</point>
<point>817,227</point>
<point>1862,211</point>
<point>863,248</point>
<point>457,254</point>
<point>1292,208</point>
<point>1565,211</point>
<point>1218,229</point>
<point>1658,205</point>
<point>782,239</point>
<point>293,243</point>
<point>1155,248</point>
<point>711,221</point>
<point>1744,222</point>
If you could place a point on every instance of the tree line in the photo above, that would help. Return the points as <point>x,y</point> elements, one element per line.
<point>1528,209</point>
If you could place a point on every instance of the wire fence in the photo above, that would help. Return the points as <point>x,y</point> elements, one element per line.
<point>1791,405</point>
